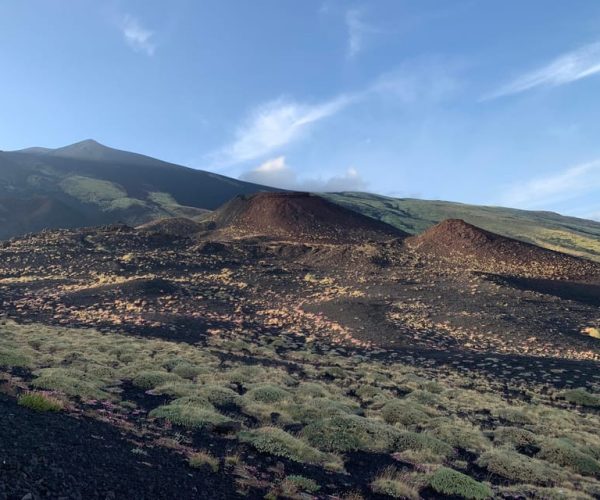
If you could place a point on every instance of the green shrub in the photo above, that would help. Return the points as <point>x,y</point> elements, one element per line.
<point>581,397</point>
<point>275,441</point>
<point>70,382</point>
<point>518,468</point>
<point>397,485</point>
<point>563,453</point>
<point>149,379</point>
<point>219,395</point>
<point>190,415</point>
<point>423,397</point>
<point>201,459</point>
<point>267,394</point>
<point>350,432</point>
<point>419,441</point>
<point>245,374</point>
<point>458,434</point>
<point>453,483</point>
<point>369,392</point>
<point>187,370</point>
<point>317,409</point>
<point>514,415</point>
<point>303,483</point>
<point>312,390</point>
<point>176,388</point>
<point>39,401</point>
<point>398,411</point>
<point>13,358</point>
<point>515,436</point>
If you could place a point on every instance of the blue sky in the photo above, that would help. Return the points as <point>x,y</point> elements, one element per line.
<point>490,102</point>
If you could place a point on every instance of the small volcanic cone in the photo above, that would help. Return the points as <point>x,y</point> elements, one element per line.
<point>460,242</point>
<point>172,226</point>
<point>298,217</point>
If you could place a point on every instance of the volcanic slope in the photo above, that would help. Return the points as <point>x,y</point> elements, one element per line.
<point>468,245</point>
<point>173,226</point>
<point>298,217</point>
<point>87,184</point>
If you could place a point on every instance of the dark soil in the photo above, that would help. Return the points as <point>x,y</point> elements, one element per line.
<point>53,456</point>
<point>300,217</point>
<point>456,239</point>
<point>585,293</point>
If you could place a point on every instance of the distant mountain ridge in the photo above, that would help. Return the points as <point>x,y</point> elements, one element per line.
<point>580,237</point>
<point>88,183</point>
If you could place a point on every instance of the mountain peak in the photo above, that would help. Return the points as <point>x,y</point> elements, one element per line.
<point>88,148</point>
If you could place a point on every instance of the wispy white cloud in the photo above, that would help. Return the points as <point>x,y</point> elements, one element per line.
<point>137,37</point>
<point>567,68</point>
<point>273,125</point>
<point>277,123</point>
<point>357,30</point>
<point>569,184</point>
<point>424,82</point>
<point>277,173</point>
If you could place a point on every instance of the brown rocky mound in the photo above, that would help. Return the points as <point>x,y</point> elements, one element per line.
<point>173,226</point>
<point>477,248</point>
<point>298,217</point>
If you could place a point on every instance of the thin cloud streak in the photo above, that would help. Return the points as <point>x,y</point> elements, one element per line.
<point>569,184</point>
<point>357,29</point>
<point>137,37</point>
<point>277,123</point>
<point>280,122</point>
<point>567,68</point>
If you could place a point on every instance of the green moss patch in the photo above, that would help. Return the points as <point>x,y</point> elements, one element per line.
<point>453,483</point>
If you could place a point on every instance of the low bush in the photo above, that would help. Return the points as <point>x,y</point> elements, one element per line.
<point>515,467</point>
<point>219,395</point>
<point>194,416</point>
<point>313,390</point>
<point>176,388</point>
<point>13,358</point>
<point>187,370</point>
<point>396,485</point>
<point>563,453</point>
<point>424,397</point>
<point>303,483</point>
<point>70,382</point>
<point>149,379</point>
<point>349,433</point>
<point>39,401</point>
<point>515,436</point>
<point>419,441</point>
<point>449,482</point>
<point>267,394</point>
<point>402,412</point>
<point>275,441</point>
<point>458,434</point>
<point>581,397</point>
<point>514,415</point>
<point>244,374</point>
<point>203,458</point>
<point>317,409</point>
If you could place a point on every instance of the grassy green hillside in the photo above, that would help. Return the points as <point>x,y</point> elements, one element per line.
<point>547,229</point>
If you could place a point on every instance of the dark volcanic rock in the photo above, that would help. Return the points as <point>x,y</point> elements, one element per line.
<point>459,241</point>
<point>299,217</point>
